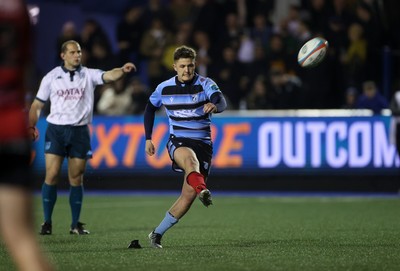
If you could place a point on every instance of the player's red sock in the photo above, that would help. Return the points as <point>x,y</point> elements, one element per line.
<point>196,180</point>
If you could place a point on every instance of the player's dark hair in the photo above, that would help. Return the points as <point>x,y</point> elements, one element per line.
<point>65,44</point>
<point>184,52</point>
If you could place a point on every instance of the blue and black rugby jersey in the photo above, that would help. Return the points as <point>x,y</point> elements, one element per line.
<point>184,103</point>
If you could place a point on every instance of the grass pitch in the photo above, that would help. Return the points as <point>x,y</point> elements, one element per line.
<point>236,233</point>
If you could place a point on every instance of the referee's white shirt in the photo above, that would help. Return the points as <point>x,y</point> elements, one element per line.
<point>71,97</point>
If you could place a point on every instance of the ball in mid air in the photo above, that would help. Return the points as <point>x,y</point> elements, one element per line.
<point>312,52</point>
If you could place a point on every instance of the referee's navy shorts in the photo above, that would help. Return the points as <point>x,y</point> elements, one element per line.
<point>68,141</point>
<point>202,150</point>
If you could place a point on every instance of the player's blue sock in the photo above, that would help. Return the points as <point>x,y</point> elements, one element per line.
<point>49,198</point>
<point>75,201</point>
<point>166,223</point>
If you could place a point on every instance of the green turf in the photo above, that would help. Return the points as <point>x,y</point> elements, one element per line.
<point>236,233</point>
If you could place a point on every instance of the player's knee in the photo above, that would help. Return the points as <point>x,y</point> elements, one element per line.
<point>51,179</point>
<point>76,180</point>
<point>191,164</point>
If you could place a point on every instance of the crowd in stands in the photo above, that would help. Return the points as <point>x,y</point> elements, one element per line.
<point>248,47</point>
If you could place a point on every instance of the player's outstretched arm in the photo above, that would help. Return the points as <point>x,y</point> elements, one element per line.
<point>118,73</point>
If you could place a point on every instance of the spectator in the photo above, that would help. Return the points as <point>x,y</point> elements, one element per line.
<point>371,98</point>
<point>205,9</point>
<point>373,33</point>
<point>291,22</point>
<point>155,40</point>
<point>115,100</point>
<point>281,9</point>
<point>93,32</point>
<point>350,98</point>
<point>259,97</point>
<point>258,7</point>
<point>205,53</point>
<point>303,34</point>
<point>246,49</point>
<point>262,30</point>
<point>68,32</point>
<point>338,18</point>
<point>277,56</point>
<point>158,9</point>
<point>285,89</point>
<point>129,34</point>
<point>230,33</point>
<point>228,74</point>
<point>181,38</point>
<point>140,94</point>
<point>317,11</point>
<point>355,56</point>
<point>180,10</point>
<point>101,56</point>
<point>259,67</point>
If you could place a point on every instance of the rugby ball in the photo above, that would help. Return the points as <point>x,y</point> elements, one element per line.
<point>312,52</point>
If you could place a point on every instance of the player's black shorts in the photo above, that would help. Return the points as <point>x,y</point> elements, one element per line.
<point>68,141</point>
<point>15,164</point>
<point>202,150</point>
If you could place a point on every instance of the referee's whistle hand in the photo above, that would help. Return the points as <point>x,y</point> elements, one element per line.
<point>128,67</point>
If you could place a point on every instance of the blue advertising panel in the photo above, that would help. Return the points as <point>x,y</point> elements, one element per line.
<point>248,145</point>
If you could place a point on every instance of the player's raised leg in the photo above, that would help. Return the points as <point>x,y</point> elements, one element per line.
<point>186,159</point>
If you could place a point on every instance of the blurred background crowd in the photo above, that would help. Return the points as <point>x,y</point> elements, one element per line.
<point>248,47</point>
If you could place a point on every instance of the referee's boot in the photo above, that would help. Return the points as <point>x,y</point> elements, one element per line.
<point>79,229</point>
<point>46,229</point>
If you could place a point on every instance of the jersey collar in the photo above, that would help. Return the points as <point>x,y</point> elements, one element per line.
<point>65,70</point>
<point>191,82</point>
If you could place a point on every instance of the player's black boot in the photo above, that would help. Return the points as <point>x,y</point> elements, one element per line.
<point>155,239</point>
<point>205,197</point>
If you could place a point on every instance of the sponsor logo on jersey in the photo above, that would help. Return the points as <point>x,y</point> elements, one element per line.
<point>184,113</point>
<point>71,93</point>
<point>214,87</point>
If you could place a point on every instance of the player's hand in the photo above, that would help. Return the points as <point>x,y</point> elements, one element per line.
<point>128,67</point>
<point>33,133</point>
<point>149,148</point>
<point>210,108</point>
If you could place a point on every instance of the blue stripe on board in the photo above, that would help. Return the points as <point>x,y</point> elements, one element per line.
<point>235,193</point>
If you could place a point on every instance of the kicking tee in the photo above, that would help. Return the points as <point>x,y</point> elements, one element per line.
<point>71,94</point>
